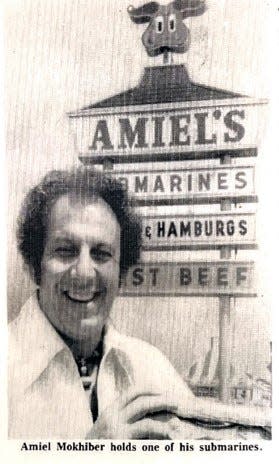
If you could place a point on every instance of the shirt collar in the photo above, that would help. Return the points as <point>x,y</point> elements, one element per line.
<point>38,341</point>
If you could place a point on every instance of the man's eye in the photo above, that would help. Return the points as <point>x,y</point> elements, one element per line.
<point>65,252</point>
<point>101,255</point>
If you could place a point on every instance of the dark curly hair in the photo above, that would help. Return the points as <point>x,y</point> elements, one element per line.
<point>84,183</point>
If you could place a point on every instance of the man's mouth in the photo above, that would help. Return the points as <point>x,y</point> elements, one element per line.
<point>83,296</point>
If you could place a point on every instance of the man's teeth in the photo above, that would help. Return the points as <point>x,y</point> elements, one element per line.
<point>83,297</point>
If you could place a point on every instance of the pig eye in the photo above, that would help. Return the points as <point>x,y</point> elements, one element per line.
<point>172,22</point>
<point>159,24</point>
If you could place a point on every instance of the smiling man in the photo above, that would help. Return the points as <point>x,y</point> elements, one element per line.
<point>80,269</point>
<point>71,374</point>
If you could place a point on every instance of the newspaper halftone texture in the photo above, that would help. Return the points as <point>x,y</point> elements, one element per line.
<point>154,111</point>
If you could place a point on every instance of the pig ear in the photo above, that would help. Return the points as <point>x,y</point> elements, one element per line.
<point>190,7</point>
<point>144,13</point>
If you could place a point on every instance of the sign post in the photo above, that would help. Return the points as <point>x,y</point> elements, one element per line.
<point>226,307</point>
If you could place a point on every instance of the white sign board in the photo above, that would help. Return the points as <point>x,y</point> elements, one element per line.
<point>199,185</point>
<point>188,130</point>
<point>191,279</point>
<point>206,231</point>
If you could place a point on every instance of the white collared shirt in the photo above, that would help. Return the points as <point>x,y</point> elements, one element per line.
<point>46,396</point>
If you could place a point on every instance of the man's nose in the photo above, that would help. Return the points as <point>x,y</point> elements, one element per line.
<point>85,267</point>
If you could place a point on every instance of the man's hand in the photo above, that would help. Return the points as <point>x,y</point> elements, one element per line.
<point>130,417</point>
<point>149,415</point>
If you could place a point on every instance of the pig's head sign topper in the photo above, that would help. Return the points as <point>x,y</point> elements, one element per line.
<point>166,31</point>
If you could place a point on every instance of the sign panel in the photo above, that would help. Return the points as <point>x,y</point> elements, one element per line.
<point>191,186</point>
<point>191,279</point>
<point>184,131</point>
<point>206,231</point>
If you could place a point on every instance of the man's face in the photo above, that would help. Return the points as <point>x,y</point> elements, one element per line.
<point>80,266</point>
